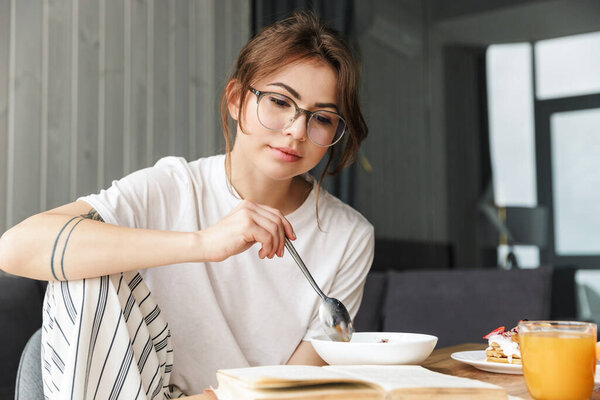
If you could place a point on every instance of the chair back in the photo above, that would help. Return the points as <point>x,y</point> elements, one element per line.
<point>369,316</point>
<point>29,375</point>
<point>461,306</point>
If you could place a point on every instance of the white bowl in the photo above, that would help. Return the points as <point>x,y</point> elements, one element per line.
<point>376,348</point>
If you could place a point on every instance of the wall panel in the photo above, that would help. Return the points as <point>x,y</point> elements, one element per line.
<point>180,78</point>
<point>161,123</point>
<point>5,26</point>
<point>24,163</point>
<point>137,86</point>
<point>114,55</point>
<point>87,97</point>
<point>394,196</point>
<point>58,98</point>
<point>93,89</point>
<point>204,87</point>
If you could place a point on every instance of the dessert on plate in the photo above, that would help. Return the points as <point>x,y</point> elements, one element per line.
<point>503,346</point>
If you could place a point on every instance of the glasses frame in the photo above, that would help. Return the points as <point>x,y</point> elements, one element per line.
<point>309,114</point>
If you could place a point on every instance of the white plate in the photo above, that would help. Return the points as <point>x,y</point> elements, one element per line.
<point>367,348</point>
<point>477,359</point>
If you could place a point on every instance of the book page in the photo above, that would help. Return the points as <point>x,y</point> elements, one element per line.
<point>332,391</point>
<point>293,382</point>
<point>279,376</point>
<point>391,377</point>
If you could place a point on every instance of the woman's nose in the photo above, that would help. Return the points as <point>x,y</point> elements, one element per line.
<point>298,127</point>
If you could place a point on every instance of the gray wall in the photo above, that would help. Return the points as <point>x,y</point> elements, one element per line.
<point>91,90</point>
<point>404,195</point>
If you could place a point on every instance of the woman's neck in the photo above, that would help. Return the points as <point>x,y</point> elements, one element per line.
<point>284,195</point>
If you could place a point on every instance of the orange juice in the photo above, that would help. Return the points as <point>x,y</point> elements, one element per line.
<point>558,365</point>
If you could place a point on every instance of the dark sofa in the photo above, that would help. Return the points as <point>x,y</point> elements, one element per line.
<point>457,306</point>
<point>20,316</point>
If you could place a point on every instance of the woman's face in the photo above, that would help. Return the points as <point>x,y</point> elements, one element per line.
<point>289,152</point>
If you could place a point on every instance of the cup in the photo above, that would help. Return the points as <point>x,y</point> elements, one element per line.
<point>559,358</point>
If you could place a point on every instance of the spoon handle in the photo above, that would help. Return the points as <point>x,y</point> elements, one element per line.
<point>290,247</point>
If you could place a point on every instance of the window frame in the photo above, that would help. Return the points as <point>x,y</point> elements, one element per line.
<point>543,110</point>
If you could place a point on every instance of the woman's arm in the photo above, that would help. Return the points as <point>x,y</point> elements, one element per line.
<point>71,242</point>
<point>305,354</point>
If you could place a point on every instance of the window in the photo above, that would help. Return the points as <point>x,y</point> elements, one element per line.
<point>512,138</point>
<point>566,82</point>
<point>568,66</point>
<point>575,140</point>
<point>510,108</point>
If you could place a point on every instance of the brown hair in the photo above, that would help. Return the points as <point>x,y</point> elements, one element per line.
<point>301,37</point>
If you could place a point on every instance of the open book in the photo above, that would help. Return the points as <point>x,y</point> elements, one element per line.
<point>389,382</point>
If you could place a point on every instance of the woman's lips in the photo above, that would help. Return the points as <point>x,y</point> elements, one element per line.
<point>285,154</point>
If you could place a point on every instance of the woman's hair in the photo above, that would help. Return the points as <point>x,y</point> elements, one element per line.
<point>301,37</point>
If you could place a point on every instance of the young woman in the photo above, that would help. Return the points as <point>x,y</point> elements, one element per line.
<point>207,238</point>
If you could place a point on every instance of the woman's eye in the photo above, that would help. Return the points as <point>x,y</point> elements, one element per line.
<point>322,119</point>
<point>279,102</point>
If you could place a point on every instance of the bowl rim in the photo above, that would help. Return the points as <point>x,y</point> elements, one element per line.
<point>416,339</point>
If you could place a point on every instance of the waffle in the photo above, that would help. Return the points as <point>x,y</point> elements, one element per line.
<point>503,346</point>
<point>494,354</point>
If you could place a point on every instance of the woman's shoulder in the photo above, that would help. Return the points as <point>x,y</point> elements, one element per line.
<point>180,167</point>
<point>176,162</point>
<point>334,213</point>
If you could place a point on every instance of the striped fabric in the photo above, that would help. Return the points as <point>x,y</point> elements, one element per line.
<point>104,338</point>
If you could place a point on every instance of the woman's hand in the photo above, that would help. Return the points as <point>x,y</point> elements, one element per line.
<point>245,225</point>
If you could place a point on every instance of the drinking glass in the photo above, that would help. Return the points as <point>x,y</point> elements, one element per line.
<point>559,358</point>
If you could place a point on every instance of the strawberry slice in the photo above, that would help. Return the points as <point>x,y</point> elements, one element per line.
<point>497,331</point>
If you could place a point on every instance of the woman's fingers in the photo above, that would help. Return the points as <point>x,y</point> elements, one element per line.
<point>253,223</point>
<point>264,237</point>
<point>271,241</point>
<point>289,230</point>
<point>281,227</point>
<point>277,220</point>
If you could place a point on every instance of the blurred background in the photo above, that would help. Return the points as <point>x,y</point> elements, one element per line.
<point>474,107</point>
<point>484,118</point>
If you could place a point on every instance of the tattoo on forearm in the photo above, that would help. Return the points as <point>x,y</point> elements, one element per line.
<point>54,249</point>
<point>92,215</point>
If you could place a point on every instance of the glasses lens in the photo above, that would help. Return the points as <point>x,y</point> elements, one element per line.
<point>275,111</point>
<point>326,128</point>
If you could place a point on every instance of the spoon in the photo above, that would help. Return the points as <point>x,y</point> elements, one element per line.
<point>334,316</point>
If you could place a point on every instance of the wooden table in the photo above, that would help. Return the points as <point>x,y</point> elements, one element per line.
<point>440,361</point>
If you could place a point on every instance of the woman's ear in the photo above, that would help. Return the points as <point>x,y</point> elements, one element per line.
<point>232,91</point>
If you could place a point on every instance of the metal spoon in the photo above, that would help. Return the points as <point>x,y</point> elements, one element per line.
<point>334,316</point>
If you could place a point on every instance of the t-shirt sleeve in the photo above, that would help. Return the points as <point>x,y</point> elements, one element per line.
<point>150,198</point>
<point>350,279</point>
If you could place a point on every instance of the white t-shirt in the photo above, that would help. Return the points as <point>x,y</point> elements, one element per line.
<point>243,311</point>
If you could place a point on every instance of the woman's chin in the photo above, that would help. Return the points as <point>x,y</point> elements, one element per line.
<point>277,172</point>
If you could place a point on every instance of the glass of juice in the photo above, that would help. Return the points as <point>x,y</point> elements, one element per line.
<point>559,358</point>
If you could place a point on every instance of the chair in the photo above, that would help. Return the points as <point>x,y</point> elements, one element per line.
<point>29,375</point>
<point>368,318</point>
<point>461,306</point>
<point>20,316</point>
<point>588,295</point>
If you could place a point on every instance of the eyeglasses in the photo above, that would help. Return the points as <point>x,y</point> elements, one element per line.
<point>276,112</point>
